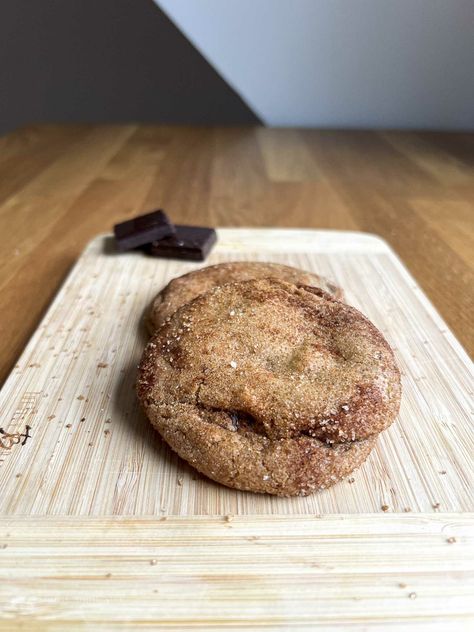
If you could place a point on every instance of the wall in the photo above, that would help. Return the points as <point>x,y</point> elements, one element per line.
<point>105,60</point>
<point>351,63</point>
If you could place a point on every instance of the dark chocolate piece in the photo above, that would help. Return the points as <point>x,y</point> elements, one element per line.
<point>189,242</point>
<point>142,230</point>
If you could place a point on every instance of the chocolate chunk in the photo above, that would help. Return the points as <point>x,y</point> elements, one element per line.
<point>189,242</point>
<point>142,230</point>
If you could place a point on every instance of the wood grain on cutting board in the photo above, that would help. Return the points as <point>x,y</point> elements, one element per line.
<point>400,572</point>
<point>93,453</point>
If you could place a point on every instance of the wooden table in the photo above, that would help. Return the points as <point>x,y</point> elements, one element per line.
<point>61,185</point>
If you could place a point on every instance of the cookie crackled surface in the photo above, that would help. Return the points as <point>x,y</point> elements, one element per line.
<point>185,288</point>
<point>269,386</point>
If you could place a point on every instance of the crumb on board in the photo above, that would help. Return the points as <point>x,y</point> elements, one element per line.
<point>102,365</point>
<point>407,509</point>
<point>436,505</point>
<point>228,518</point>
<point>82,419</point>
<point>153,562</point>
<point>402,585</point>
<point>351,480</point>
<point>451,540</point>
<point>80,397</point>
<point>106,432</point>
<point>384,508</point>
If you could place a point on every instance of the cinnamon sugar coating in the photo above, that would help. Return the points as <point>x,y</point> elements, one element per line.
<point>269,386</point>
<point>185,288</point>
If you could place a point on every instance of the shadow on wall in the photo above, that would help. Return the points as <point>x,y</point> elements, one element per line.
<point>113,61</point>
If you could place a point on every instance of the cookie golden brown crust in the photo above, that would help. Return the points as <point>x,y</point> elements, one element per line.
<point>269,386</point>
<point>186,287</point>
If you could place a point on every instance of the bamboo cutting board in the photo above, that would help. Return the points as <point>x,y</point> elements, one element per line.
<point>93,453</point>
<point>252,573</point>
<point>102,527</point>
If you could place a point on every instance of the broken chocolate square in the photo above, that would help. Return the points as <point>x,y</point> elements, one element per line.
<point>142,230</point>
<point>189,242</point>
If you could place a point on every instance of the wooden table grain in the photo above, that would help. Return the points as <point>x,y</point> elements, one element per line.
<point>61,185</point>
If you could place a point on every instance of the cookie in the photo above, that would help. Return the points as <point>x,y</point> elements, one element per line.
<point>184,288</point>
<point>268,386</point>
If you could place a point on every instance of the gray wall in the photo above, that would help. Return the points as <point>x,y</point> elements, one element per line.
<point>105,60</point>
<point>344,63</point>
<point>341,63</point>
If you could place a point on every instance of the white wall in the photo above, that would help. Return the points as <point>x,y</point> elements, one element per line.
<point>351,63</point>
